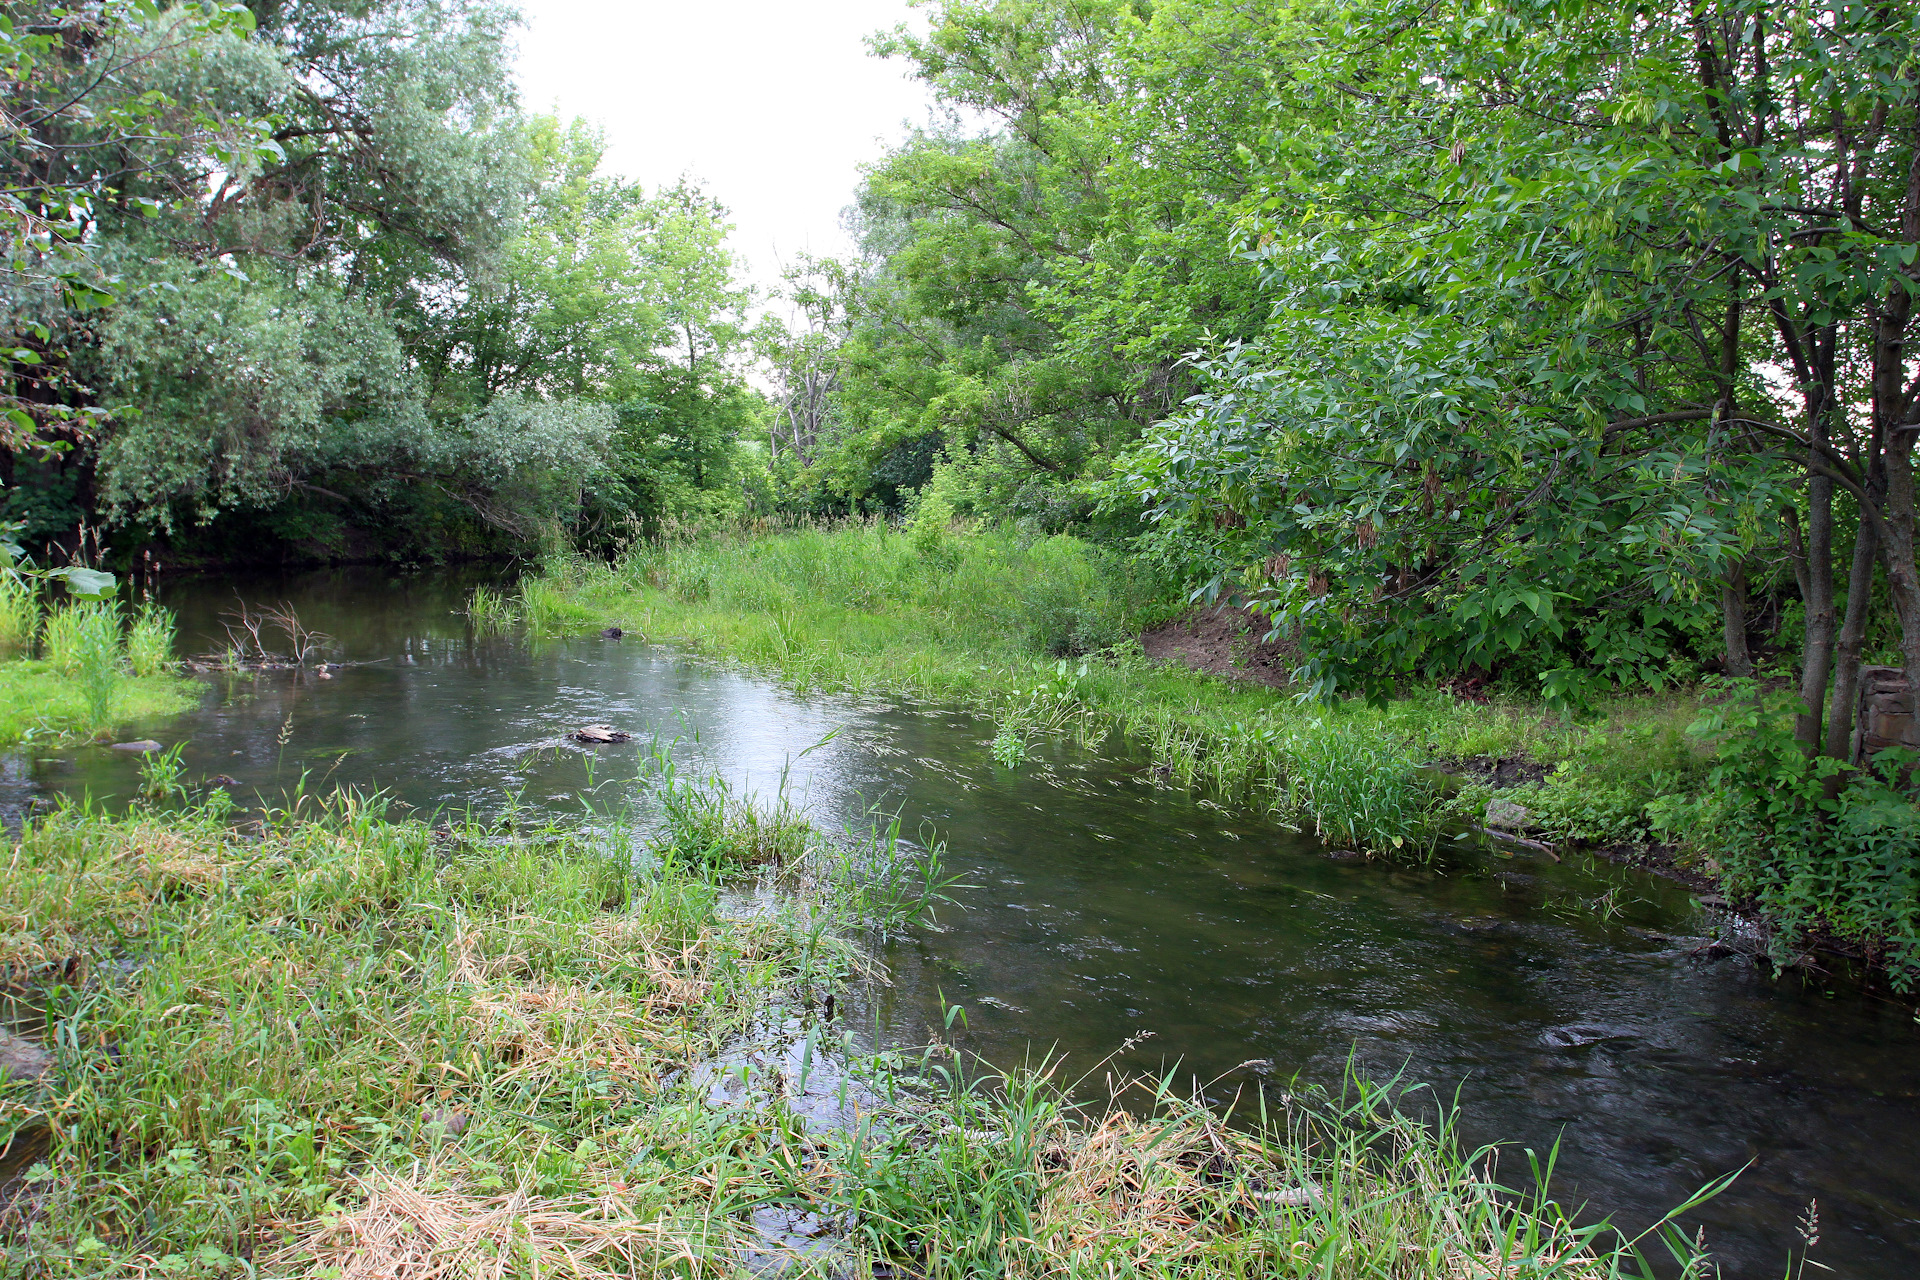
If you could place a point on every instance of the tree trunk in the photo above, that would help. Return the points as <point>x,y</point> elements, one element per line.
<point>1846,659</point>
<point>1903,581</point>
<point>1733,617</point>
<point>1817,655</point>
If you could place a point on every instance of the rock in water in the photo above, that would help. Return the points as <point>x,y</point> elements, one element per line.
<point>22,1059</point>
<point>1508,816</point>
<point>601,733</point>
<point>613,633</point>
<point>143,745</point>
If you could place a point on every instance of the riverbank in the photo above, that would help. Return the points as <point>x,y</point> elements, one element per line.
<point>1043,637</point>
<point>340,1041</point>
<point>40,704</point>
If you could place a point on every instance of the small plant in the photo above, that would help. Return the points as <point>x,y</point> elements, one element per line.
<point>491,610</point>
<point>150,642</point>
<point>1009,744</point>
<point>163,775</point>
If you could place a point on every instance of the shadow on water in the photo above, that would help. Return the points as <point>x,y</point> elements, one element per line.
<point>1562,1000</point>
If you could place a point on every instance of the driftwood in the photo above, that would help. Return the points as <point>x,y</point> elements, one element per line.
<point>601,733</point>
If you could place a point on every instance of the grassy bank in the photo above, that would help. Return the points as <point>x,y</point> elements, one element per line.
<point>1042,637</point>
<point>335,1044</point>
<point>96,667</point>
<point>39,703</point>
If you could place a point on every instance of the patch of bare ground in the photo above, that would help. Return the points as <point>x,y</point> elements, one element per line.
<point>1225,642</point>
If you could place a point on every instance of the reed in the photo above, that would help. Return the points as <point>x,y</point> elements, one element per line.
<point>84,642</point>
<point>492,610</point>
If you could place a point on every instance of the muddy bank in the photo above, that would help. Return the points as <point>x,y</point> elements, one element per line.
<point>1224,641</point>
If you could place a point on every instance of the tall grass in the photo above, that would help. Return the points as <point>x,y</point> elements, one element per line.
<point>1360,788</point>
<point>19,615</point>
<point>83,641</point>
<point>150,640</point>
<point>490,609</point>
<point>369,1045</point>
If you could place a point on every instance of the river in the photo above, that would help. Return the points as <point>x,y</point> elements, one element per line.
<point>1564,1002</point>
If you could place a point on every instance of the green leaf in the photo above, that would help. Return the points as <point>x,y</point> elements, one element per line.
<point>87,584</point>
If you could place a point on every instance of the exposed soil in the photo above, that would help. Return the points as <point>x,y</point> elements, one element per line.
<point>1504,771</point>
<point>1224,642</point>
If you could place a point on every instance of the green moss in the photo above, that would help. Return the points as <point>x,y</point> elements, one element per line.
<point>38,702</point>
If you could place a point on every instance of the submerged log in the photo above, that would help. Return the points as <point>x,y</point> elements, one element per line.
<point>601,733</point>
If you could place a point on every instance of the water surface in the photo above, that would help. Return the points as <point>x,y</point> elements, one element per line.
<point>1563,1001</point>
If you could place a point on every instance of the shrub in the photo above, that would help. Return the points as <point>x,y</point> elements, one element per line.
<point>1815,843</point>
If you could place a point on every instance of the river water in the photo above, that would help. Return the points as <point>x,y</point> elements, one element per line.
<point>1562,1001</point>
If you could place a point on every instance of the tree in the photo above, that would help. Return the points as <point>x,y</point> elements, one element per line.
<point>80,135</point>
<point>1539,269</point>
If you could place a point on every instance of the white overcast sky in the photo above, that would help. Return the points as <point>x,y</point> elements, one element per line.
<point>772,104</point>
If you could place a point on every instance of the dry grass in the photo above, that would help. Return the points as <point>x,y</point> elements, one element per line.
<point>425,1226</point>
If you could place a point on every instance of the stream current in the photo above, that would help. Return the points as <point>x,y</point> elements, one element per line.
<point>1562,1001</point>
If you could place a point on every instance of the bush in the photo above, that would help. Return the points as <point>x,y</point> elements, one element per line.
<point>1848,861</point>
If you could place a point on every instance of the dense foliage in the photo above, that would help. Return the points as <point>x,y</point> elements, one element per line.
<point>1540,346</point>
<point>305,270</point>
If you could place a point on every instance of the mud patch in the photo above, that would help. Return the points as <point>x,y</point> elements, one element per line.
<point>1503,771</point>
<point>1224,642</point>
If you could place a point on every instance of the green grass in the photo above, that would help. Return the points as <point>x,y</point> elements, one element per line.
<point>19,615</point>
<point>96,674</point>
<point>38,702</point>
<point>1042,637</point>
<point>150,641</point>
<point>338,1040</point>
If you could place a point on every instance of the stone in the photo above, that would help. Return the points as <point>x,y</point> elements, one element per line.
<point>612,633</point>
<point>1886,713</point>
<point>1508,816</point>
<point>22,1059</point>
<point>142,745</point>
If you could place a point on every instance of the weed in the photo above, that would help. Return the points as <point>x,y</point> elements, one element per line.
<point>1360,789</point>
<point>150,640</point>
<point>163,775</point>
<point>492,610</point>
<point>83,642</point>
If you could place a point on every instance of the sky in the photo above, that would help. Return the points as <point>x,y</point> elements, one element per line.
<point>772,104</point>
